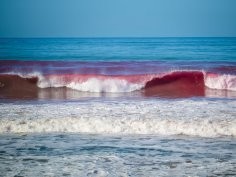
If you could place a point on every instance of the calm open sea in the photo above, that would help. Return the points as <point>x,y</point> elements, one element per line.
<point>118,107</point>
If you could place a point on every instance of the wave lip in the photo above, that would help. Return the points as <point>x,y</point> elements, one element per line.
<point>220,82</point>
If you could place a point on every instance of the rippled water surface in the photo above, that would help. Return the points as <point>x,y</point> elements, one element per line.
<point>134,155</point>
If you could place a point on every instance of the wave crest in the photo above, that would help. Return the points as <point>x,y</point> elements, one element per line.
<point>184,81</point>
<point>220,82</point>
<point>93,84</point>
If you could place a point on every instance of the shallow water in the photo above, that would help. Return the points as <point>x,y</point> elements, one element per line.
<point>102,155</point>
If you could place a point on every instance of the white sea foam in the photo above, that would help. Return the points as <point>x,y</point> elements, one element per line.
<point>221,82</point>
<point>204,128</point>
<point>184,117</point>
<point>111,85</point>
<point>36,74</point>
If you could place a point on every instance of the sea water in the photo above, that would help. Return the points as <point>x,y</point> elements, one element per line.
<point>118,107</point>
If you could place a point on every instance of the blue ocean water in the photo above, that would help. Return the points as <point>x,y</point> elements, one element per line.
<point>120,49</point>
<point>81,107</point>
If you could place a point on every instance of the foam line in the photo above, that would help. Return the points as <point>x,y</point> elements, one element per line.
<point>185,117</point>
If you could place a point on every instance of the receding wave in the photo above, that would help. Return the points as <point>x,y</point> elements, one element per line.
<point>172,83</point>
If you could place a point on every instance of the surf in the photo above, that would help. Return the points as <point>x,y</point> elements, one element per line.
<point>180,83</point>
<point>190,117</point>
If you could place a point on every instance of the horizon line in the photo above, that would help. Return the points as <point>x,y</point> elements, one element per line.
<point>88,37</point>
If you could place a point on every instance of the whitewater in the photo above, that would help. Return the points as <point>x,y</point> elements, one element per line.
<point>205,118</point>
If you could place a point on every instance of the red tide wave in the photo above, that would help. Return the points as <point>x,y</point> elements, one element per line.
<point>177,84</point>
<point>174,84</point>
<point>14,86</point>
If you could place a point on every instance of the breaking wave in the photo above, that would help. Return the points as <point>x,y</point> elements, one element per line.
<point>170,84</point>
<point>126,83</point>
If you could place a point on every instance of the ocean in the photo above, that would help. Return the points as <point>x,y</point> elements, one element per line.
<point>118,107</point>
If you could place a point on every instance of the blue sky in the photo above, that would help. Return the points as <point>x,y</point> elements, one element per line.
<point>117,18</point>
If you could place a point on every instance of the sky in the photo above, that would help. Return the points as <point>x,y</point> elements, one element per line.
<point>117,18</point>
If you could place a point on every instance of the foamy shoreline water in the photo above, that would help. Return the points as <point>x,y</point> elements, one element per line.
<point>202,117</point>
